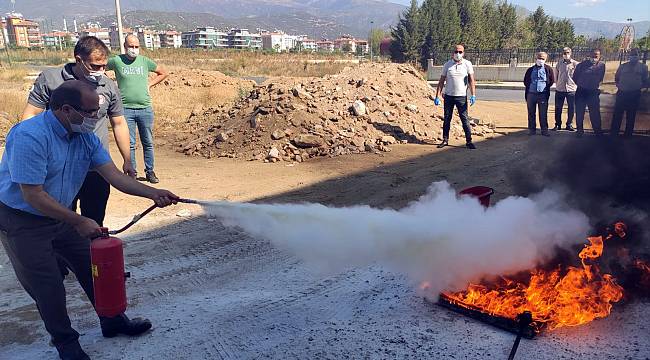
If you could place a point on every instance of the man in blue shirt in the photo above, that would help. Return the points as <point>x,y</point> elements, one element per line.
<point>538,81</point>
<point>45,162</point>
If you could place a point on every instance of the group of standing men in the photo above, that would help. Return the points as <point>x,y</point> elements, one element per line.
<point>579,84</point>
<point>58,157</point>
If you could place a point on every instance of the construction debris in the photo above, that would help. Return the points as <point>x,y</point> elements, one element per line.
<point>367,108</point>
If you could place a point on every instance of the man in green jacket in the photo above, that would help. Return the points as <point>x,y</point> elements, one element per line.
<point>132,74</point>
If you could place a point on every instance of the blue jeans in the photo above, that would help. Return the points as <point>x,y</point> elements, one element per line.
<point>143,120</point>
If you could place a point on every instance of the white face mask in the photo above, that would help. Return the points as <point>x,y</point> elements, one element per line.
<point>132,52</point>
<point>93,76</point>
<point>540,62</point>
<point>458,57</point>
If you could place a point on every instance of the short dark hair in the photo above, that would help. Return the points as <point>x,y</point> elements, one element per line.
<point>69,93</point>
<point>596,49</point>
<point>89,44</point>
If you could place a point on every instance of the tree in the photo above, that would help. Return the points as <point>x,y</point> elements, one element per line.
<point>507,25</point>
<point>375,38</point>
<point>471,22</point>
<point>540,26</point>
<point>407,35</point>
<point>442,27</point>
<point>562,34</point>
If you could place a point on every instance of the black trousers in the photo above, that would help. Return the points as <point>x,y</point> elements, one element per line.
<point>460,102</point>
<point>586,98</point>
<point>536,101</point>
<point>33,244</point>
<point>628,102</point>
<point>93,197</point>
<point>570,97</point>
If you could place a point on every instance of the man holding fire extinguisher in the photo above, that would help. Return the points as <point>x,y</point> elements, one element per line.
<point>45,162</point>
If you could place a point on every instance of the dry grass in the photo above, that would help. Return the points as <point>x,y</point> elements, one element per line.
<point>12,103</point>
<point>39,57</point>
<point>173,107</point>
<point>240,63</point>
<point>14,74</point>
<point>13,95</point>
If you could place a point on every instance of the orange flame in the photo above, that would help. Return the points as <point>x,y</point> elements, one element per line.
<point>579,296</point>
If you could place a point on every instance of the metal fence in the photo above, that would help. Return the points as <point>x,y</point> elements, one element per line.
<point>513,57</point>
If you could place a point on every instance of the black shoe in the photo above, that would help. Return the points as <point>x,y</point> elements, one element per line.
<point>152,178</point>
<point>556,128</point>
<point>72,351</point>
<point>569,128</point>
<point>545,133</point>
<point>444,143</point>
<point>470,145</point>
<point>531,132</point>
<point>579,134</point>
<point>121,324</point>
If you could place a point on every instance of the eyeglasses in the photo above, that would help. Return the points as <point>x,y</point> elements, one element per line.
<point>458,52</point>
<point>94,67</point>
<point>86,113</point>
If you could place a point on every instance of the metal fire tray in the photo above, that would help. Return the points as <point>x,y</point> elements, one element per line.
<point>512,325</point>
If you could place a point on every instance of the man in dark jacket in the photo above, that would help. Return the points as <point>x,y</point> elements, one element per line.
<point>588,76</point>
<point>538,81</point>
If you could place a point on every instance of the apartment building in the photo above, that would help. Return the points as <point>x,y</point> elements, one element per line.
<point>349,44</point>
<point>279,41</point>
<point>149,39</point>
<point>102,34</point>
<point>205,38</point>
<point>307,44</point>
<point>22,32</point>
<point>243,39</point>
<point>170,39</point>
<point>57,39</point>
<point>325,46</point>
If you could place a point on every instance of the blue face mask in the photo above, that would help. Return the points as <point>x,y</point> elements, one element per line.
<point>87,126</point>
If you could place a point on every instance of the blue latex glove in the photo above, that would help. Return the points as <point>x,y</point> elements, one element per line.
<point>436,101</point>
<point>472,100</point>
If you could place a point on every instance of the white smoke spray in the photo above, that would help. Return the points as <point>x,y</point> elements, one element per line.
<point>442,239</point>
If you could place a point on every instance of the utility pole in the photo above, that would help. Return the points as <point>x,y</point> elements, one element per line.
<point>370,39</point>
<point>120,33</point>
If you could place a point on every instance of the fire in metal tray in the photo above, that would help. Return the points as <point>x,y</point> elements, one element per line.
<point>562,296</point>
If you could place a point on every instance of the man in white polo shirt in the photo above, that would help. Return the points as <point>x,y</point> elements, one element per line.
<point>458,73</point>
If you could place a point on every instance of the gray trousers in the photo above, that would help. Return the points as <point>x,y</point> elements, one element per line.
<point>32,244</point>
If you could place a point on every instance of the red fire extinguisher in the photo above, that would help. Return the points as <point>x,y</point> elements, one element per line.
<point>107,258</point>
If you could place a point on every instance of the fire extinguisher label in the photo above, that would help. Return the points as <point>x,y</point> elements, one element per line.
<point>95,271</point>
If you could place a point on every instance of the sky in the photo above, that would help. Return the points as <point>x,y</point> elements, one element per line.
<point>609,10</point>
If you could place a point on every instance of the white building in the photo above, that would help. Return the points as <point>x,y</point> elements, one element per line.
<point>279,41</point>
<point>205,38</point>
<point>170,39</point>
<point>148,39</point>
<point>307,44</point>
<point>102,34</point>
<point>243,39</point>
<point>325,46</point>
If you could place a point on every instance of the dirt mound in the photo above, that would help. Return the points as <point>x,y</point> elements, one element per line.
<point>363,109</point>
<point>187,92</point>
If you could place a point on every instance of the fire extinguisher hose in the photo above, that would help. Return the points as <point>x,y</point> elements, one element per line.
<point>139,216</point>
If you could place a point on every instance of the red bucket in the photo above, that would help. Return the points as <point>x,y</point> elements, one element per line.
<point>483,194</point>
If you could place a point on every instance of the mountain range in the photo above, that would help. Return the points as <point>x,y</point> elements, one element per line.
<point>316,18</point>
